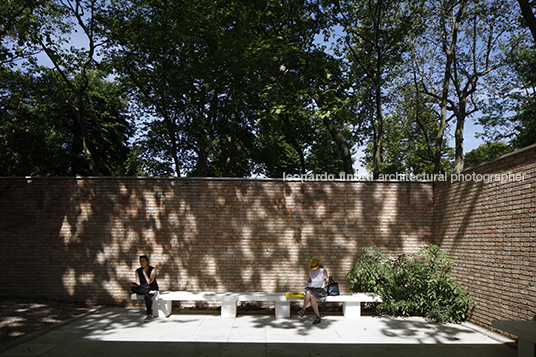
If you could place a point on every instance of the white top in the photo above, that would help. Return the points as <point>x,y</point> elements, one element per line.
<point>317,278</point>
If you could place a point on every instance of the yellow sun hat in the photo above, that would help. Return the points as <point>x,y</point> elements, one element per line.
<point>314,264</point>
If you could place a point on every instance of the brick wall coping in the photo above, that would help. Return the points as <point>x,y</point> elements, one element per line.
<point>505,156</point>
<point>205,179</point>
<point>202,179</point>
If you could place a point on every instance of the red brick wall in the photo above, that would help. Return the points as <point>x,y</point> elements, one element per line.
<point>80,238</point>
<point>489,230</point>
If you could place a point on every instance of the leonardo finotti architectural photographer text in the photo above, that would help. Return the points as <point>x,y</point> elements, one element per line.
<point>457,177</point>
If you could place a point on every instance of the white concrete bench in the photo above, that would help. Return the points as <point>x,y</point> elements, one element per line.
<point>351,304</point>
<point>525,332</point>
<point>141,297</point>
<point>162,302</point>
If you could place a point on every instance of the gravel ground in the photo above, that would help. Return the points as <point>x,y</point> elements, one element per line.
<point>20,317</point>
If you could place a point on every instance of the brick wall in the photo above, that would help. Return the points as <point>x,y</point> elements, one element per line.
<point>80,238</point>
<point>489,230</point>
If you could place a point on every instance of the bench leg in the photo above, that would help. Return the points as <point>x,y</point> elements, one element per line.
<point>161,308</point>
<point>228,309</point>
<point>282,309</point>
<point>351,310</point>
<point>525,348</point>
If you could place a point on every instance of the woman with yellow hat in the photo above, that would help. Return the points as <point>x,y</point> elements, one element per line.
<point>315,288</point>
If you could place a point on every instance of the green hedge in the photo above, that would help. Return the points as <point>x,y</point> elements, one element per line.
<point>411,285</point>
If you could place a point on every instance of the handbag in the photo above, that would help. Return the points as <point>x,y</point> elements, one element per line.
<point>333,287</point>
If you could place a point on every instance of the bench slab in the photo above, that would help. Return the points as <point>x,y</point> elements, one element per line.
<point>162,302</point>
<point>526,333</point>
<point>206,296</point>
<point>351,303</point>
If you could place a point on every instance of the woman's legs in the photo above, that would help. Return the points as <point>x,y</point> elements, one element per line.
<point>149,303</point>
<point>314,304</point>
<point>310,298</point>
<point>148,297</point>
<point>306,299</point>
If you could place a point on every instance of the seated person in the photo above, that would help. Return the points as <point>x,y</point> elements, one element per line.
<point>146,284</point>
<point>315,288</point>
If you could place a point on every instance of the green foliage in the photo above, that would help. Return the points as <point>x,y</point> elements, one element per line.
<point>411,285</point>
<point>486,152</point>
<point>17,17</point>
<point>368,273</point>
<point>524,121</point>
<point>242,88</point>
<point>376,37</point>
<point>409,138</point>
<point>509,113</point>
<point>224,85</point>
<point>40,133</point>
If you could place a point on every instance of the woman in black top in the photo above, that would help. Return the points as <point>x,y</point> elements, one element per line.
<point>146,284</point>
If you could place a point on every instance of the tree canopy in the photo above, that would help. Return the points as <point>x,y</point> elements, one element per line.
<point>263,88</point>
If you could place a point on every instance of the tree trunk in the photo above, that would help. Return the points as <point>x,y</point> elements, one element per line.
<point>340,140</point>
<point>294,142</point>
<point>441,130</point>
<point>171,127</point>
<point>528,15</point>
<point>85,135</point>
<point>458,165</point>
<point>202,166</point>
<point>77,10</point>
<point>378,139</point>
<point>449,50</point>
<point>230,160</point>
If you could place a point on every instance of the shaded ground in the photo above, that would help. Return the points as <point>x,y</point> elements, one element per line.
<point>119,331</point>
<point>20,317</point>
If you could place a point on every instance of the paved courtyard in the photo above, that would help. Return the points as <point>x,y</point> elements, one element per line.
<point>116,331</point>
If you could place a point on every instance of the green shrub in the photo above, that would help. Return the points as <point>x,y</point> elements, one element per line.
<point>368,273</point>
<point>411,285</point>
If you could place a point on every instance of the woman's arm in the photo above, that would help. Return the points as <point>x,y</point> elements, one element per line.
<point>326,278</point>
<point>151,278</point>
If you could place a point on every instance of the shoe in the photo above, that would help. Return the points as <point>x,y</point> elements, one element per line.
<point>301,312</point>
<point>148,318</point>
<point>317,320</point>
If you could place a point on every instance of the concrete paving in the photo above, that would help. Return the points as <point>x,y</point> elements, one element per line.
<point>118,331</point>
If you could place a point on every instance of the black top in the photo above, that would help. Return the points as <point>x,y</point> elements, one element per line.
<point>143,282</point>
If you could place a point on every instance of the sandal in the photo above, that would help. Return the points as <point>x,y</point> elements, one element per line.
<point>301,312</point>
<point>317,320</point>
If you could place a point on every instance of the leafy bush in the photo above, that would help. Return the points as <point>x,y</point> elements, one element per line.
<point>411,285</point>
<point>368,274</point>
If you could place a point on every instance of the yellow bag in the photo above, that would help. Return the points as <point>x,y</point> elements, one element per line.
<point>294,295</point>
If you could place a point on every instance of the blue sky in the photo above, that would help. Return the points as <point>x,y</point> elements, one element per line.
<point>470,142</point>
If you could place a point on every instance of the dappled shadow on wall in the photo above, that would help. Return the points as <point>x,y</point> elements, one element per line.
<point>203,234</point>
